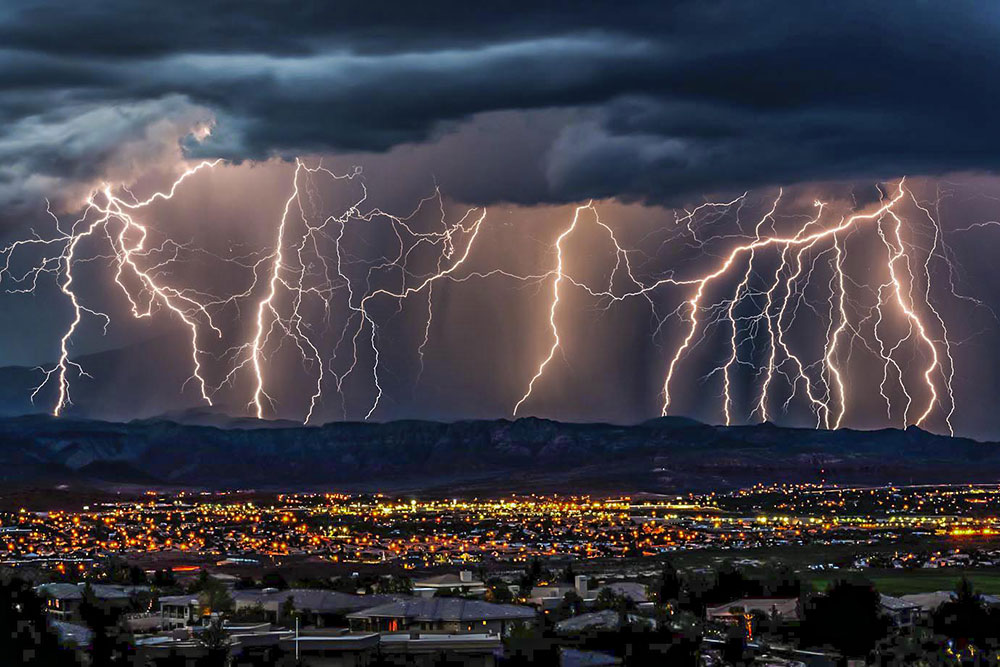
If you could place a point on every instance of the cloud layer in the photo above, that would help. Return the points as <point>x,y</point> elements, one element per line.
<point>661,100</point>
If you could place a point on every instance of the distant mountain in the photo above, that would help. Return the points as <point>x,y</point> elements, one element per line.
<point>142,379</point>
<point>477,457</point>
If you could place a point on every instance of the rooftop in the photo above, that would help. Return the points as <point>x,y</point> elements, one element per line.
<point>446,609</point>
<point>75,591</point>
<point>316,600</point>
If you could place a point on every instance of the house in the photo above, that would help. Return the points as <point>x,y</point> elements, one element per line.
<point>415,649</point>
<point>902,612</point>
<point>926,603</point>
<point>550,596</point>
<point>319,607</point>
<point>783,608</point>
<point>72,633</point>
<point>63,601</point>
<point>633,591</point>
<point>254,644</point>
<point>177,611</point>
<point>452,615</point>
<point>333,647</point>
<point>328,647</point>
<point>569,657</point>
<point>463,583</point>
<point>607,620</point>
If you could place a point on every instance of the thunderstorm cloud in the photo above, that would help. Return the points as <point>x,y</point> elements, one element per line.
<point>656,101</point>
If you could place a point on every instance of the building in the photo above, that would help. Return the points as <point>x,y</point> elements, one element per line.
<point>63,601</point>
<point>322,608</point>
<point>255,643</point>
<point>415,649</point>
<point>329,647</point>
<point>550,596</point>
<point>786,609</point>
<point>927,603</point>
<point>333,648</point>
<point>73,634</point>
<point>447,615</point>
<point>607,620</point>
<point>633,591</point>
<point>463,583</point>
<point>902,612</point>
<point>177,611</point>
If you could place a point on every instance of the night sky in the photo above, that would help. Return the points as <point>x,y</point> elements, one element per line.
<point>524,111</point>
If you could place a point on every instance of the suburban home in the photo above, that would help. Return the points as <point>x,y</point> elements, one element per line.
<point>607,620</point>
<point>446,615</point>
<point>733,612</point>
<point>321,608</point>
<point>63,601</point>
<point>902,612</point>
<point>463,583</point>
<point>415,649</point>
<point>177,611</point>
<point>550,596</point>
<point>926,603</point>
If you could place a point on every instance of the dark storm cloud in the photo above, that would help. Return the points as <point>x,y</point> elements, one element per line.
<point>669,99</point>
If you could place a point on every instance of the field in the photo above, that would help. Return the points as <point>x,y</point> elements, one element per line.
<point>903,582</point>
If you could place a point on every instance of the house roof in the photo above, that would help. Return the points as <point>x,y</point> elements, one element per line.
<point>897,604</point>
<point>315,600</point>
<point>178,600</point>
<point>569,657</point>
<point>607,619</point>
<point>71,632</point>
<point>786,607</point>
<point>630,589</point>
<point>446,609</point>
<point>446,580</point>
<point>928,601</point>
<point>75,591</point>
<point>933,600</point>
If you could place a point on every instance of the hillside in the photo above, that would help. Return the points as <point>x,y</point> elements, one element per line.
<point>487,457</point>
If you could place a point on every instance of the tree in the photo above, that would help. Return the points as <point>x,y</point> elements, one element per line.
<point>847,617</point>
<point>345,584</point>
<point>214,598</point>
<point>731,584</point>
<point>164,579</point>
<point>735,650</point>
<point>667,586</point>
<point>137,576</point>
<point>571,605</point>
<point>533,573</point>
<point>395,584</point>
<point>254,613</point>
<point>781,581</point>
<point>498,591</point>
<point>965,619</point>
<point>216,642</point>
<point>568,575</point>
<point>607,598</point>
<point>286,612</point>
<point>141,601</point>
<point>274,580</point>
<point>109,646</point>
<point>27,638</point>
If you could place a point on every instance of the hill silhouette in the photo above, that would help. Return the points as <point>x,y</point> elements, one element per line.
<point>667,455</point>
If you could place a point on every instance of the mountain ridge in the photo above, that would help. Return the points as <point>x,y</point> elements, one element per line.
<point>664,455</point>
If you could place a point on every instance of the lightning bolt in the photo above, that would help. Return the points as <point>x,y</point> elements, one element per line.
<point>126,244</point>
<point>770,276</point>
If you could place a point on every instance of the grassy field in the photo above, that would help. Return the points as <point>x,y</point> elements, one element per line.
<point>898,582</point>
